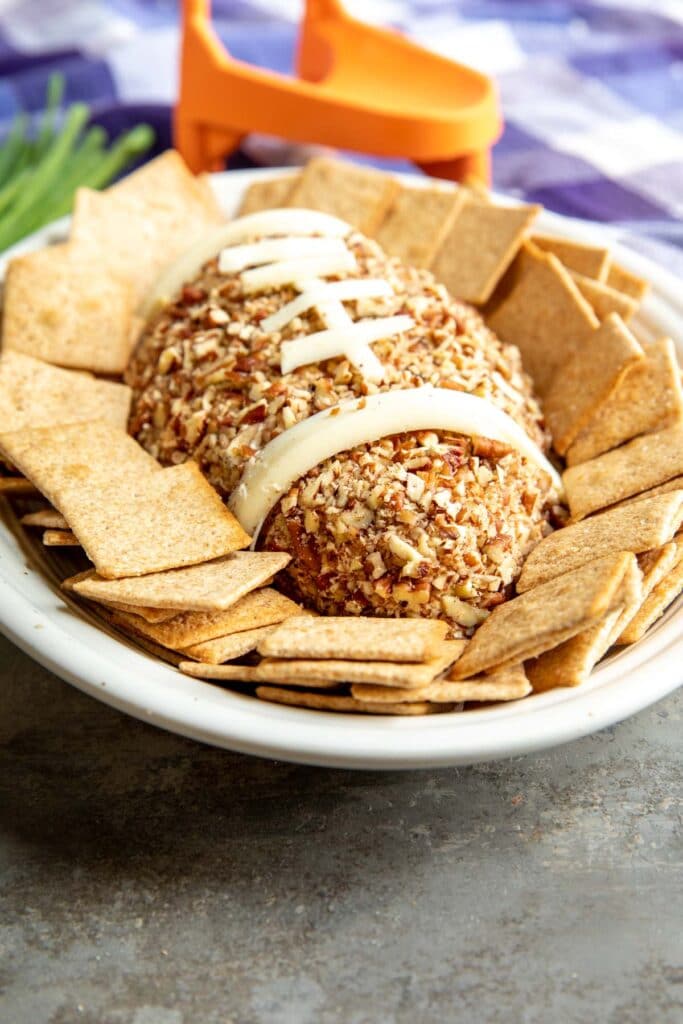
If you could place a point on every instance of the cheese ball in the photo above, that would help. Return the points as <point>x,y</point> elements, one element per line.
<point>424,523</point>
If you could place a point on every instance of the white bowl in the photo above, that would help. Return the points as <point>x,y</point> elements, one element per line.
<point>70,643</point>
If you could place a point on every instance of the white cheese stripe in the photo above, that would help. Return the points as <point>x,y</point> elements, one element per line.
<point>307,444</point>
<point>245,229</point>
<point>334,316</point>
<point>346,340</point>
<point>284,221</point>
<point>275,275</point>
<point>321,291</point>
<point>366,362</point>
<point>270,250</point>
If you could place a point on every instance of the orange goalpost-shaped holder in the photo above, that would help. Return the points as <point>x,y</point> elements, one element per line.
<point>358,87</point>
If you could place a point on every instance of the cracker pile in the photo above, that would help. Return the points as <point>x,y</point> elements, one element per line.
<point>371,666</point>
<point>167,564</point>
<point>212,612</point>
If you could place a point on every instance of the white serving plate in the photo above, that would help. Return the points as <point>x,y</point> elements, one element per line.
<point>69,643</point>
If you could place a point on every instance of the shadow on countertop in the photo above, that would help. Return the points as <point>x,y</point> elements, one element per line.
<point>155,880</point>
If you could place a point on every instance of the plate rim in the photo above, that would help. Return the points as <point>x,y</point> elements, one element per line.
<point>78,651</point>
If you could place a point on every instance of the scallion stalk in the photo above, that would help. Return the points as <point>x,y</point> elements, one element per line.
<point>46,174</point>
<point>53,99</point>
<point>15,145</point>
<point>39,176</point>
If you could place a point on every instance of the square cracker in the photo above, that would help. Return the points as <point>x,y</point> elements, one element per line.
<point>655,564</point>
<point>588,378</point>
<point>295,672</point>
<point>508,683</point>
<point>167,184</point>
<point>637,466</point>
<point>355,639</point>
<point>47,518</point>
<point>137,226</point>
<point>160,653</point>
<point>541,311</point>
<point>623,280</point>
<point>227,648</point>
<point>549,614</point>
<point>418,222</point>
<point>358,195</point>
<point>60,539</point>
<point>259,608</point>
<point>648,398</point>
<point>209,587</point>
<point>245,674</point>
<point>639,527</point>
<point>157,521</point>
<point>605,300</point>
<point>656,602</point>
<point>589,260</point>
<point>64,307</point>
<point>67,456</point>
<point>480,246</point>
<point>15,485</point>
<point>36,394</point>
<point>333,702</point>
<point>148,614</point>
<point>267,195</point>
<point>571,663</point>
<point>675,484</point>
<point>131,516</point>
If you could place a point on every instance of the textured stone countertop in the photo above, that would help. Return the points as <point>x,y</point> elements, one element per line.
<point>151,880</point>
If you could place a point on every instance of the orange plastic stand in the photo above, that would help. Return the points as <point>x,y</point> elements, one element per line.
<point>359,88</point>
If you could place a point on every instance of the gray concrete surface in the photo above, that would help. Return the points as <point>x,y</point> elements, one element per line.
<point>149,880</point>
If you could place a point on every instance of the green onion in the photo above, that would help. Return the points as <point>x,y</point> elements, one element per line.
<point>83,163</point>
<point>13,187</point>
<point>53,99</point>
<point>125,150</point>
<point>39,177</point>
<point>45,176</point>
<point>14,147</point>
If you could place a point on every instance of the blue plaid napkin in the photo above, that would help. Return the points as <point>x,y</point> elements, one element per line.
<point>592,92</point>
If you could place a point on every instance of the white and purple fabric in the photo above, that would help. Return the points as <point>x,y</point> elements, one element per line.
<point>592,90</point>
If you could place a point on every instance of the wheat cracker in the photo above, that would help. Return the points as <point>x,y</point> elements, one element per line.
<point>259,608</point>
<point>480,246</point>
<point>418,222</point>
<point>648,398</point>
<point>588,378</point>
<point>623,280</point>
<point>334,702</point>
<point>64,307</point>
<point>359,195</point>
<point>546,616</point>
<point>36,394</point>
<point>589,260</point>
<point>227,648</point>
<point>210,587</point>
<point>509,683</point>
<point>267,195</point>
<point>638,527</point>
<point>355,639</point>
<point>541,311</point>
<point>638,466</point>
<point>411,675</point>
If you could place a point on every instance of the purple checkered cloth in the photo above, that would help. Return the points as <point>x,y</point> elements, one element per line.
<point>592,92</point>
